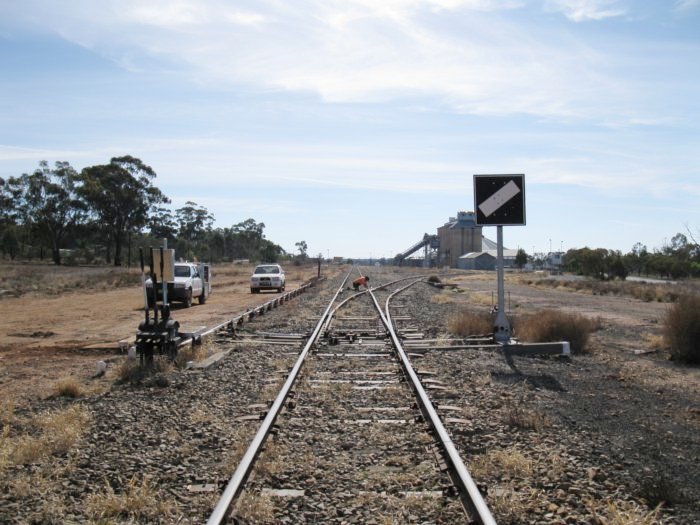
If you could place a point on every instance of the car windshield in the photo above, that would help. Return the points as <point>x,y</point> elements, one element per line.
<point>267,269</point>
<point>182,271</point>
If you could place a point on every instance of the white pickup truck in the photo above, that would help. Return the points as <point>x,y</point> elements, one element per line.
<point>191,280</point>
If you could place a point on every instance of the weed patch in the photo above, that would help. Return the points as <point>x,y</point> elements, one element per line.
<point>466,323</point>
<point>622,513</point>
<point>553,325</point>
<point>55,433</point>
<point>682,329</point>
<point>255,508</point>
<point>138,502</point>
<point>509,462</point>
<point>68,387</point>
<point>189,353</point>
<point>131,372</point>
<point>647,292</point>
<point>526,419</point>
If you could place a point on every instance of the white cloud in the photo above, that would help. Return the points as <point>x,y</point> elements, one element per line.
<point>166,14</point>
<point>245,18</point>
<point>684,5</point>
<point>465,55</point>
<point>584,10</point>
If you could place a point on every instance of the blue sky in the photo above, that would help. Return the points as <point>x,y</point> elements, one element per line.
<point>356,125</point>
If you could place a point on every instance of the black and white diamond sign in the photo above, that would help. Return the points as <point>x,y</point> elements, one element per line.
<point>499,200</point>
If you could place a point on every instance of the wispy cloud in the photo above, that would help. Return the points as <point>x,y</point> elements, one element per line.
<point>584,10</point>
<point>684,5</point>
<point>467,55</point>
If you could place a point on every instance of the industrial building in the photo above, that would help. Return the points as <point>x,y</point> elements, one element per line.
<point>459,243</point>
<point>458,236</point>
<point>486,260</point>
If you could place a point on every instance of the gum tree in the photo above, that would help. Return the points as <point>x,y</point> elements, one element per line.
<point>47,202</point>
<point>120,195</point>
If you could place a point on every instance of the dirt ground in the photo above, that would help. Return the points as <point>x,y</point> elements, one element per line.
<point>46,339</point>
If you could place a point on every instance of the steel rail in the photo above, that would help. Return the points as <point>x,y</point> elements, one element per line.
<point>469,492</point>
<point>329,319</point>
<point>239,319</point>
<point>237,481</point>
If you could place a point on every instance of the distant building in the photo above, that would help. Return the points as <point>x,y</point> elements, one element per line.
<point>486,260</point>
<point>553,261</point>
<point>460,235</point>
<point>477,261</point>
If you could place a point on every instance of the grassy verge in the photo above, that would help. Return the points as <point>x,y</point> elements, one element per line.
<point>554,325</point>
<point>648,292</point>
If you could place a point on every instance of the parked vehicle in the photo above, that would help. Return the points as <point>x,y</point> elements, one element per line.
<point>191,280</point>
<point>267,277</point>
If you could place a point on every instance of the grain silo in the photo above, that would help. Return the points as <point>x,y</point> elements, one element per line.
<point>458,236</point>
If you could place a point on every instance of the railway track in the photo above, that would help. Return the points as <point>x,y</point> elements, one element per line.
<point>352,434</point>
<point>351,444</point>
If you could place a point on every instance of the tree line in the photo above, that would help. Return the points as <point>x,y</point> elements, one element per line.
<point>675,260</point>
<point>103,211</point>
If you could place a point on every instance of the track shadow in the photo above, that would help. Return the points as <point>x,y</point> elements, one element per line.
<point>543,381</point>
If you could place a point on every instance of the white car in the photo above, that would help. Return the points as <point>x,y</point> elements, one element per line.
<point>188,284</point>
<point>267,277</point>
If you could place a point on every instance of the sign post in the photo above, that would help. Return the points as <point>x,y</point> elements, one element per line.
<point>500,200</point>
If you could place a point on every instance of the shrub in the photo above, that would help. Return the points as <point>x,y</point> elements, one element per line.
<point>660,490</point>
<point>138,501</point>
<point>434,279</point>
<point>133,373</point>
<point>682,329</point>
<point>189,353</point>
<point>526,419</point>
<point>68,387</point>
<point>553,325</point>
<point>467,323</point>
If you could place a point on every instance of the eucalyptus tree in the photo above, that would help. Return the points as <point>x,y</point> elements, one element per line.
<point>193,221</point>
<point>120,195</point>
<point>47,202</point>
<point>8,226</point>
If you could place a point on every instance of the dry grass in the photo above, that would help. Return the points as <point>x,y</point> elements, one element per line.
<point>682,329</point>
<point>68,387</point>
<point>131,372</point>
<point>242,436</point>
<point>272,460</point>
<point>466,323</point>
<point>394,510</point>
<point>254,508</point>
<point>139,501</point>
<point>527,419</point>
<point>47,279</point>
<point>194,353</point>
<point>554,325</point>
<point>21,278</point>
<point>52,433</point>
<point>510,462</point>
<point>7,413</point>
<point>622,513</point>
<point>442,298</point>
<point>655,342</point>
<point>481,298</point>
<point>507,505</point>
<point>647,292</point>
